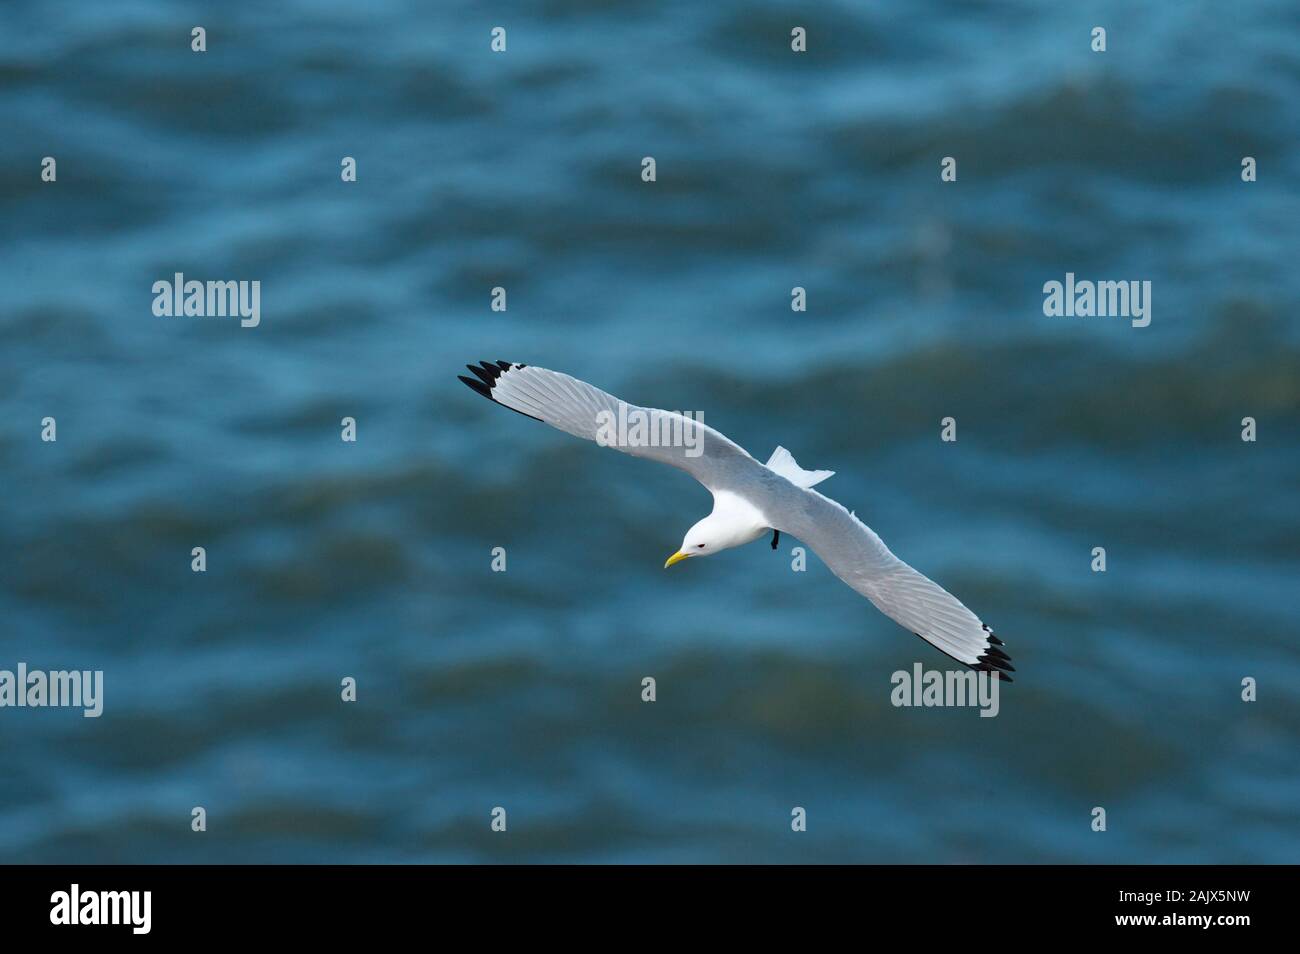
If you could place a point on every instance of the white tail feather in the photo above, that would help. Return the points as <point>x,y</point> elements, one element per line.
<point>783,462</point>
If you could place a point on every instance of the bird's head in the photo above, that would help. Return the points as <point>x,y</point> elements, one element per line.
<point>704,539</point>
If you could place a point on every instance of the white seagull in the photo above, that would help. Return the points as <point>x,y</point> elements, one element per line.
<point>749,499</point>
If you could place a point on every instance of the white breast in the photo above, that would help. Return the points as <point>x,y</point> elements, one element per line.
<point>743,521</point>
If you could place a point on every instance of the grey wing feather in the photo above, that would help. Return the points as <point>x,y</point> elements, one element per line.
<point>582,410</point>
<point>855,554</point>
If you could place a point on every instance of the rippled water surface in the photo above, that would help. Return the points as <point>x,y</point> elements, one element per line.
<point>522,689</point>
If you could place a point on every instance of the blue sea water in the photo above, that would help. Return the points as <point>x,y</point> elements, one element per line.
<point>522,170</point>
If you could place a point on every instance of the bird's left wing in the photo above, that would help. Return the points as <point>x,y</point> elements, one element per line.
<point>577,408</point>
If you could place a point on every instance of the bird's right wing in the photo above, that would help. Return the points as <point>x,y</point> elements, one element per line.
<point>855,554</point>
<point>582,410</point>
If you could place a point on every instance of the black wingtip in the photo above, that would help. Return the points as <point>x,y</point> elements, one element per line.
<point>482,375</point>
<point>477,385</point>
<point>991,660</point>
<point>986,667</point>
<point>998,654</point>
<point>995,659</point>
<point>485,378</point>
<point>1003,664</point>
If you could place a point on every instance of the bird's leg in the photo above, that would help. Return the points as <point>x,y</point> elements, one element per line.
<point>776,537</point>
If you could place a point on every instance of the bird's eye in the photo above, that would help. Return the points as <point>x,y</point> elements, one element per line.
<point>700,545</point>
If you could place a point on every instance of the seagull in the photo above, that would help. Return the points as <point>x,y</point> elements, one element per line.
<point>750,499</point>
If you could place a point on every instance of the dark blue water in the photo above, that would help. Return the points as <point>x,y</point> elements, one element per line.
<point>522,170</point>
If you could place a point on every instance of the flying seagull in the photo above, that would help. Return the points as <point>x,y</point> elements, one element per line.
<point>751,498</point>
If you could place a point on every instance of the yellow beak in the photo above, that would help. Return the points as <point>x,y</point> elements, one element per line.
<point>676,558</point>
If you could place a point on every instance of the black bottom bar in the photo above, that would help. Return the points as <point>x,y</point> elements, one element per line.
<point>333,904</point>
